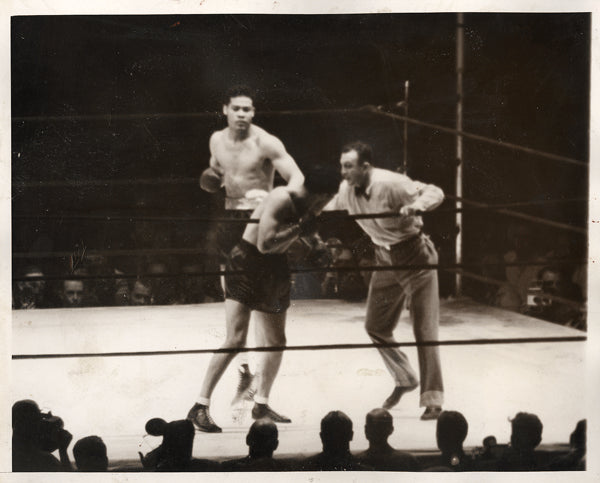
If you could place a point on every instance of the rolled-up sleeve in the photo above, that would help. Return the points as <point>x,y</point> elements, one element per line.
<point>408,192</point>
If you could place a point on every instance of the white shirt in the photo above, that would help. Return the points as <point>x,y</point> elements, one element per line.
<point>388,191</point>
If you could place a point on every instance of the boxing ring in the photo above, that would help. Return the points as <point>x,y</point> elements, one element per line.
<point>113,394</point>
<point>108,370</point>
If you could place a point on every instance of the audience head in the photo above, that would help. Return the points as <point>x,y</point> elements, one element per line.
<point>29,294</point>
<point>90,454</point>
<point>141,293</point>
<point>526,432</point>
<point>578,436</point>
<point>378,426</point>
<point>122,292</point>
<point>26,419</point>
<point>73,291</point>
<point>262,438</point>
<point>33,427</point>
<point>451,431</point>
<point>551,279</point>
<point>163,290</point>
<point>177,444</point>
<point>489,442</point>
<point>336,432</point>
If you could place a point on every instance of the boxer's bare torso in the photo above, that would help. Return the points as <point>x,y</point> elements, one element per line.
<point>245,157</point>
<point>246,164</point>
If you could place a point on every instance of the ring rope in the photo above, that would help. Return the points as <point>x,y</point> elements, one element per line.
<point>229,350</point>
<point>354,268</point>
<point>523,216</point>
<point>326,217</point>
<point>477,137</point>
<point>107,253</point>
<point>105,183</point>
<point>519,204</point>
<point>182,115</point>
<point>165,218</point>
<point>364,109</point>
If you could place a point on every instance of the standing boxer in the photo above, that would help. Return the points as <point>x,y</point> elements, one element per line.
<point>243,159</point>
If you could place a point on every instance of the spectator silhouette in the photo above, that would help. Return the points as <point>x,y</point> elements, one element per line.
<point>141,293</point>
<point>525,437</point>
<point>262,442</point>
<point>29,294</point>
<point>90,454</point>
<point>575,458</point>
<point>380,455</point>
<point>305,285</point>
<point>451,431</point>
<point>487,457</point>
<point>490,444</point>
<point>336,434</point>
<point>75,293</point>
<point>164,290</point>
<point>72,293</point>
<point>175,452</point>
<point>122,293</point>
<point>35,436</point>
<point>553,281</point>
<point>193,287</point>
<point>522,247</point>
<point>345,285</point>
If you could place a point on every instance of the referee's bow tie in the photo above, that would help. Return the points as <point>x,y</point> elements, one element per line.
<point>361,191</point>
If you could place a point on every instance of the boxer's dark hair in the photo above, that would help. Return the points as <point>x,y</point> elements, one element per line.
<point>321,180</point>
<point>239,90</point>
<point>364,151</point>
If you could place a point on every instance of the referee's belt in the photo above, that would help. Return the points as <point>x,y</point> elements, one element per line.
<point>406,241</point>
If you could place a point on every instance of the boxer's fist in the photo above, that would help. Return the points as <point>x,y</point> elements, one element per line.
<point>308,225</point>
<point>211,180</point>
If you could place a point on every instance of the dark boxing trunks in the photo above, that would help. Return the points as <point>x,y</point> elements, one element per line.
<point>266,286</point>
<point>229,234</point>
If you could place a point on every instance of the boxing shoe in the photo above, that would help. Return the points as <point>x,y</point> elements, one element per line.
<point>200,416</point>
<point>260,411</point>
<point>397,393</point>
<point>245,391</point>
<point>431,413</point>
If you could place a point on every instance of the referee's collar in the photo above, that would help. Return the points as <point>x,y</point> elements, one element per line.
<point>366,191</point>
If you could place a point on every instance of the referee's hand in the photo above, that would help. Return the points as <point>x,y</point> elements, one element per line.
<point>410,210</point>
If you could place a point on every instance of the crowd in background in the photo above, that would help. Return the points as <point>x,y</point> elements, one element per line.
<point>538,275</point>
<point>37,436</point>
<point>553,289</point>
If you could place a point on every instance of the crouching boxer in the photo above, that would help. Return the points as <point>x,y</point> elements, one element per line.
<point>286,214</point>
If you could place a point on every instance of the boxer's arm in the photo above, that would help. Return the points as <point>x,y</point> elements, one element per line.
<point>275,235</point>
<point>283,163</point>
<point>211,179</point>
<point>333,204</point>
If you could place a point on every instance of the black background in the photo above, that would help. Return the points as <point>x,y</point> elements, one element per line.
<point>526,81</point>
